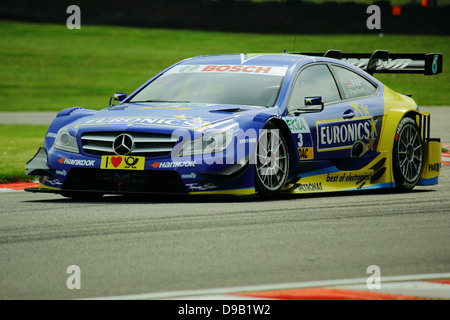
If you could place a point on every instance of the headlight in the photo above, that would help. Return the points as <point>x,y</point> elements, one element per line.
<point>64,141</point>
<point>208,144</point>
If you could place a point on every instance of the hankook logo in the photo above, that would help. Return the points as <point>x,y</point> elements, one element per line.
<point>123,144</point>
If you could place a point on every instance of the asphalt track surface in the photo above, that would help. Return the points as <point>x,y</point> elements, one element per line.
<point>129,245</point>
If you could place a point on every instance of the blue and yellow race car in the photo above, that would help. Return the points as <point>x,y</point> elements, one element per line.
<point>246,124</point>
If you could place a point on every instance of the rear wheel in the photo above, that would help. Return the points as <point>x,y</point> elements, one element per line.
<point>407,155</point>
<point>272,162</point>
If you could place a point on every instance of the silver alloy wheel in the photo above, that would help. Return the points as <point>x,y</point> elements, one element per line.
<point>409,152</point>
<point>272,161</point>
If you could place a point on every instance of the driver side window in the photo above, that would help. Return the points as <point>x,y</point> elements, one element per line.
<point>315,80</point>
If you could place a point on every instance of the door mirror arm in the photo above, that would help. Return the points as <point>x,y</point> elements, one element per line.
<point>118,96</point>
<point>311,105</point>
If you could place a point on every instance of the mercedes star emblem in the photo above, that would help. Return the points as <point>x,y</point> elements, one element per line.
<point>123,144</point>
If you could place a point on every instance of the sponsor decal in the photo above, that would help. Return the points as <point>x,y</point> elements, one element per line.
<point>240,69</point>
<point>189,68</point>
<point>305,153</point>
<point>122,163</point>
<point>191,175</point>
<point>237,68</point>
<point>391,64</point>
<point>335,181</point>
<point>248,140</point>
<point>357,178</point>
<point>164,108</point>
<point>61,173</point>
<point>342,134</point>
<point>179,121</point>
<point>302,135</point>
<point>436,167</point>
<point>297,124</point>
<point>434,66</point>
<point>338,135</point>
<point>167,165</point>
<point>79,163</point>
<point>54,183</point>
<point>197,187</point>
<point>302,187</point>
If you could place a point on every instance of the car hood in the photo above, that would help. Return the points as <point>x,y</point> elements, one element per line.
<point>162,117</point>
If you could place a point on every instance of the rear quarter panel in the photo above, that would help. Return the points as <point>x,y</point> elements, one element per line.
<point>396,106</point>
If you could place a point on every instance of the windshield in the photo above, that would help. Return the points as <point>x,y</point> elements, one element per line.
<point>240,85</point>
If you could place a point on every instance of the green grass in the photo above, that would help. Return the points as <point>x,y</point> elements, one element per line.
<point>19,144</point>
<point>49,67</point>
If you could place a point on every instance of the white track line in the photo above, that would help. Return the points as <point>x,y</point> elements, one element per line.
<point>9,190</point>
<point>204,293</point>
<point>409,288</point>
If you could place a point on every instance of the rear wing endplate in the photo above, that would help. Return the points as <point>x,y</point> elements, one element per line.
<point>381,61</point>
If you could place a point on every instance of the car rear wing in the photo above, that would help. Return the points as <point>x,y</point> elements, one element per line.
<point>382,61</point>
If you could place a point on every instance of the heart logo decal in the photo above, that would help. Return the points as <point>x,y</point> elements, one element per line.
<point>116,161</point>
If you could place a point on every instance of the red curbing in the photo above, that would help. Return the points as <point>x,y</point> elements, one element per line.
<point>18,185</point>
<point>325,294</point>
<point>438,289</point>
<point>445,156</point>
<point>440,281</point>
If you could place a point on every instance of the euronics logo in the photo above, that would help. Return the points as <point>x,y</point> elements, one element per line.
<point>342,134</point>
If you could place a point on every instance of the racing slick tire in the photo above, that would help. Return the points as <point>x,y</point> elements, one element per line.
<point>271,163</point>
<point>407,155</point>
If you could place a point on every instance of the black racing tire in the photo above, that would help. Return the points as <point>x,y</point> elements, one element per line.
<point>271,162</point>
<point>407,155</point>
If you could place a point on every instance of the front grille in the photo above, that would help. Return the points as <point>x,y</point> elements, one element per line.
<point>125,181</point>
<point>145,144</point>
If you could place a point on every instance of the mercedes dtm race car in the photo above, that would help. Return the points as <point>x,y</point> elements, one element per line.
<point>247,124</point>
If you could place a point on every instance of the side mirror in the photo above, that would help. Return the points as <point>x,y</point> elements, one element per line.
<point>118,96</point>
<point>312,105</point>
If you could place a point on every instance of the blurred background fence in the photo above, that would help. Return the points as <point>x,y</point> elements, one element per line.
<point>294,16</point>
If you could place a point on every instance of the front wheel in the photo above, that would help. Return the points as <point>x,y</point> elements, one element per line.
<point>407,155</point>
<point>272,162</point>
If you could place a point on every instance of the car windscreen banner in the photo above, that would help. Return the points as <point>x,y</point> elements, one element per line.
<point>238,69</point>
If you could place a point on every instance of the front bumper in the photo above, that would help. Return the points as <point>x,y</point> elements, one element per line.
<point>62,173</point>
<point>37,166</point>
